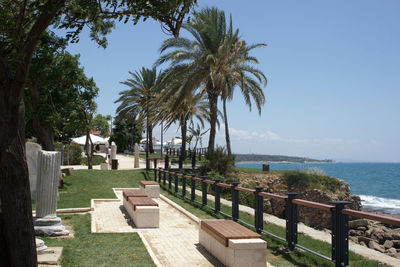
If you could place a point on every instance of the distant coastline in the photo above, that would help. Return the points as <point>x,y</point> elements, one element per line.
<point>256,158</point>
<point>279,162</point>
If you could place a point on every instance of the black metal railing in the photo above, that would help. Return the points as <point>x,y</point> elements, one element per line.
<point>340,215</point>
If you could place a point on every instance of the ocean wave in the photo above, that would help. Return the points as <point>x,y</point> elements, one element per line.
<point>388,205</point>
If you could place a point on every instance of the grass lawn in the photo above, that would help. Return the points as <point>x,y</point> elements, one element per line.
<point>89,249</point>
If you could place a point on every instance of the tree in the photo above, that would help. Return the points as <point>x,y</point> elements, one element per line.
<point>100,123</point>
<point>192,107</point>
<point>197,134</point>
<point>138,101</point>
<point>215,61</point>
<point>195,62</point>
<point>125,134</point>
<point>22,24</point>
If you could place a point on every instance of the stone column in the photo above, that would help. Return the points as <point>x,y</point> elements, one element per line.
<point>113,151</point>
<point>31,151</point>
<point>136,156</point>
<point>47,183</point>
<point>46,223</point>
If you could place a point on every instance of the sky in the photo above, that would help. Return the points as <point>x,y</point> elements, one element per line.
<point>333,70</point>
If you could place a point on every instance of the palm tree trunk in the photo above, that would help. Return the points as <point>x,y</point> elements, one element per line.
<point>89,153</point>
<point>213,101</point>
<point>184,136</point>
<point>227,138</point>
<point>151,149</point>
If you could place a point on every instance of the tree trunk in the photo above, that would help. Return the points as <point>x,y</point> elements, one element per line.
<point>213,101</point>
<point>151,149</point>
<point>89,152</point>
<point>17,234</point>
<point>227,138</point>
<point>43,132</point>
<point>184,136</point>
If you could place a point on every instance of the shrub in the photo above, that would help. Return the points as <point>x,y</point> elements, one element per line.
<point>308,179</point>
<point>96,160</point>
<point>218,161</point>
<point>72,153</point>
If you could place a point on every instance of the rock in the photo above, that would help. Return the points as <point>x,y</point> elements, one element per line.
<point>396,243</point>
<point>396,235</point>
<point>352,232</point>
<point>388,244</point>
<point>362,228</point>
<point>364,239</point>
<point>354,239</point>
<point>369,231</point>
<point>358,223</point>
<point>395,255</point>
<point>362,243</point>
<point>391,251</point>
<point>388,236</point>
<point>376,246</point>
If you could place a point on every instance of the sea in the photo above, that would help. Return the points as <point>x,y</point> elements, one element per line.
<point>377,184</point>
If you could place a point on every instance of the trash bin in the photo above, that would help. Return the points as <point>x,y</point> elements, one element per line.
<point>114,164</point>
<point>265,167</point>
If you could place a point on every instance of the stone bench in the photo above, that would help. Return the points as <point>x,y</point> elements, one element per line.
<point>151,188</point>
<point>144,211</point>
<point>127,193</point>
<point>233,244</point>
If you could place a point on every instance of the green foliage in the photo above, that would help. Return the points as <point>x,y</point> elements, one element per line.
<point>126,134</point>
<point>100,123</point>
<point>96,160</point>
<point>219,161</point>
<point>72,153</point>
<point>307,179</point>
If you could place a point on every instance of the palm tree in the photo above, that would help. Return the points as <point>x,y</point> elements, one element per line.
<point>137,102</point>
<point>193,63</point>
<point>192,107</point>
<point>215,62</point>
<point>238,71</point>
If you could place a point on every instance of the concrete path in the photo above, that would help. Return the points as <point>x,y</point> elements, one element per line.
<point>125,162</point>
<point>174,243</point>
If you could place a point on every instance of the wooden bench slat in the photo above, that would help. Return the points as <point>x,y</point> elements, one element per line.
<point>142,201</point>
<point>223,230</point>
<point>144,183</point>
<point>133,193</point>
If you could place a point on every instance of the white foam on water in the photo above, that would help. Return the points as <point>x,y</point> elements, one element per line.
<point>388,205</point>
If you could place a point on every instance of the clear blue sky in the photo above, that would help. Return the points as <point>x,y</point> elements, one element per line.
<point>333,70</point>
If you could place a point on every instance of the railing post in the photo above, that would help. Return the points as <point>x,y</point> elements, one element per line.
<point>340,234</point>
<point>204,190</point>
<point>180,161</point>
<point>155,170</point>
<point>259,210</point>
<point>193,189</point>
<point>169,179</point>
<point>166,164</point>
<point>194,159</point>
<point>176,182</point>
<point>291,220</point>
<point>159,175</point>
<point>235,201</point>
<point>165,174</point>
<point>183,185</point>
<point>217,196</point>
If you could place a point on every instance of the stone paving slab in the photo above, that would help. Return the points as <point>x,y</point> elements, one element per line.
<point>174,243</point>
<point>50,256</point>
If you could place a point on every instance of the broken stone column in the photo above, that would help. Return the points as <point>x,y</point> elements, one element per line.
<point>31,151</point>
<point>46,222</point>
<point>136,156</point>
<point>113,151</point>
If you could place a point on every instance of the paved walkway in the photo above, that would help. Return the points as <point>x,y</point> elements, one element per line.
<point>174,243</point>
<point>125,162</point>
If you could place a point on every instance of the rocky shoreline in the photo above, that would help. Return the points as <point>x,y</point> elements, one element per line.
<point>372,234</point>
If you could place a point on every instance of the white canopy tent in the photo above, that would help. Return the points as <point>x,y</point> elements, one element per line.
<point>97,140</point>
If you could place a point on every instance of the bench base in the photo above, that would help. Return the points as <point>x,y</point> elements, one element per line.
<point>143,216</point>
<point>152,191</point>
<point>240,252</point>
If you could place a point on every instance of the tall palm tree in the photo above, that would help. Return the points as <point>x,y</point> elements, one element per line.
<point>193,62</point>
<point>137,102</point>
<point>214,62</point>
<point>238,71</point>
<point>192,107</point>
